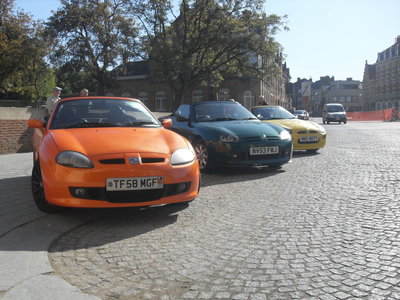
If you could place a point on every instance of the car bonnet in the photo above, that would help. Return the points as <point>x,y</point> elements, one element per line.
<point>295,124</point>
<point>95,141</point>
<point>240,128</point>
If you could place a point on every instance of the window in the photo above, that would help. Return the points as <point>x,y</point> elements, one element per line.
<point>248,99</point>
<point>183,111</point>
<point>197,95</point>
<point>161,100</point>
<point>144,97</point>
<point>223,94</point>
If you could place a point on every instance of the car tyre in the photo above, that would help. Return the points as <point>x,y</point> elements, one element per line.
<point>38,191</point>
<point>200,149</point>
<point>323,121</point>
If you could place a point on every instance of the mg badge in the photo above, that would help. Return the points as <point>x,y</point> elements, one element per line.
<point>133,160</point>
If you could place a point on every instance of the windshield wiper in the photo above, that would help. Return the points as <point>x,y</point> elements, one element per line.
<point>250,118</point>
<point>139,123</point>
<point>224,119</point>
<point>93,124</point>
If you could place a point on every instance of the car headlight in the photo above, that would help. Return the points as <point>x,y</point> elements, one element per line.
<point>288,129</point>
<point>285,135</point>
<point>321,129</point>
<point>229,138</point>
<point>74,160</point>
<point>181,157</point>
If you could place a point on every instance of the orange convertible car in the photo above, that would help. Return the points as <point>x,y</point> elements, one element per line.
<point>109,152</point>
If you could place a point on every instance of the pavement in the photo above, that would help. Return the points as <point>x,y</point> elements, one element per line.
<point>27,233</point>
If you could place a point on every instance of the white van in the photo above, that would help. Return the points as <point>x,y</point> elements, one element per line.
<point>334,112</point>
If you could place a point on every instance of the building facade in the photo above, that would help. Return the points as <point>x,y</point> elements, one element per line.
<point>381,82</point>
<point>158,96</point>
<point>312,96</point>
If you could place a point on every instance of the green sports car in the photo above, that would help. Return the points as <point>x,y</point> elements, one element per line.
<point>224,133</point>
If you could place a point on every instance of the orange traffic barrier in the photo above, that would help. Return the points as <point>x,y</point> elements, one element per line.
<point>377,115</point>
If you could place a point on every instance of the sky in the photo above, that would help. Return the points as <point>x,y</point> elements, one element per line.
<point>325,37</point>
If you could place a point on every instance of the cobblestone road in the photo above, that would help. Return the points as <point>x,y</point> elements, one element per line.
<point>327,226</point>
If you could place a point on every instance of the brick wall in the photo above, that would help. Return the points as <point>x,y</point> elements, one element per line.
<point>15,135</point>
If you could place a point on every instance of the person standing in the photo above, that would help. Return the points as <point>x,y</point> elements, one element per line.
<point>261,100</point>
<point>54,97</point>
<point>84,93</point>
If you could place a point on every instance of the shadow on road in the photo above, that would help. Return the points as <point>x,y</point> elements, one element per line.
<point>23,227</point>
<point>229,175</point>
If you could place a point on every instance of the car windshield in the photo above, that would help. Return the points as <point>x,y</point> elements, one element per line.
<point>221,111</point>
<point>335,108</point>
<point>102,112</point>
<point>299,112</point>
<point>272,113</point>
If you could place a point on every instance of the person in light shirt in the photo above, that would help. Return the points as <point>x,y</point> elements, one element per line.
<point>54,97</point>
<point>261,100</point>
<point>84,93</point>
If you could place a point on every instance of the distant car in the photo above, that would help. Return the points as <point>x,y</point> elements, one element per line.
<point>224,133</point>
<point>334,112</point>
<point>301,114</point>
<point>306,135</point>
<point>109,152</point>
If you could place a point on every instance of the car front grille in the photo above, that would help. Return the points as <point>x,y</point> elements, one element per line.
<point>130,196</point>
<point>251,139</point>
<point>113,161</point>
<point>307,131</point>
<point>304,143</point>
<point>121,161</point>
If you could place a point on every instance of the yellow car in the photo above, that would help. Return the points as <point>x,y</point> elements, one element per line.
<point>306,135</point>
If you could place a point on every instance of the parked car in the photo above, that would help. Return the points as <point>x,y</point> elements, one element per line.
<point>334,112</point>
<point>224,133</point>
<point>301,114</point>
<point>109,152</point>
<point>306,135</point>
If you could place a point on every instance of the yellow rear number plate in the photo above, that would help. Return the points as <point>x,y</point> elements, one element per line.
<point>134,183</point>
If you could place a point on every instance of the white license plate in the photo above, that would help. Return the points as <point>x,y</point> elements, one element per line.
<point>264,150</point>
<point>134,183</point>
<point>309,139</point>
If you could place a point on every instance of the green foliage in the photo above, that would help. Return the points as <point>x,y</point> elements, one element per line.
<point>96,35</point>
<point>199,41</point>
<point>209,40</point>
<point>24,71</point>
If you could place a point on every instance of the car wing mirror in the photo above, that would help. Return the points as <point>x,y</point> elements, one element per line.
<point>166,123</point>
<point>33,123</point>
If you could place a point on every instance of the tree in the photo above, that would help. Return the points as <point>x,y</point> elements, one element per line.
<point>207,41</point>
<point>96,35</point>
<point>24,71</point>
